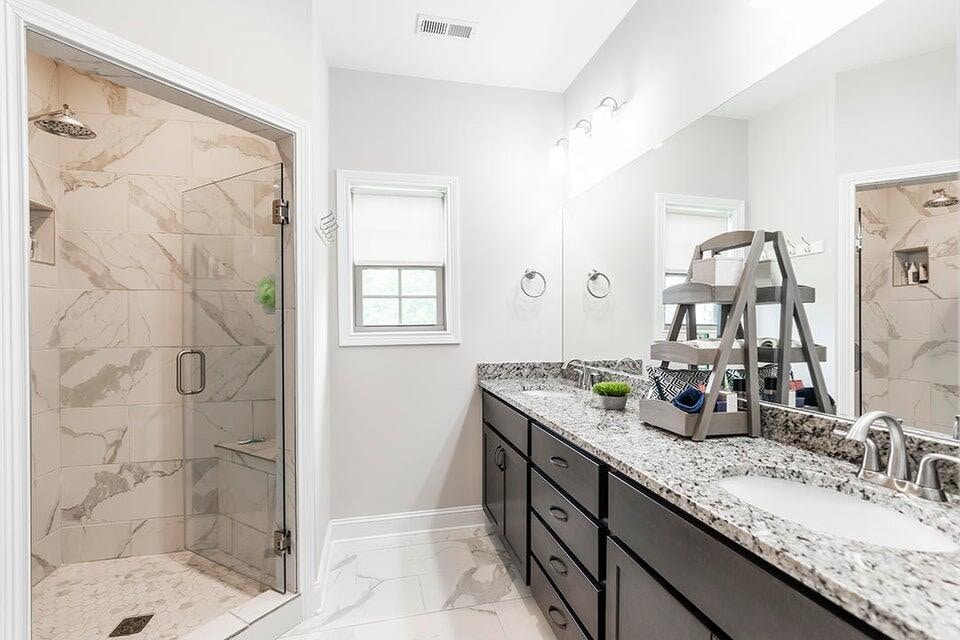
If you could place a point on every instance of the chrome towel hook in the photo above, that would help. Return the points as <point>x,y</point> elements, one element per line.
<point>529,276</point>
<point>592,278</point>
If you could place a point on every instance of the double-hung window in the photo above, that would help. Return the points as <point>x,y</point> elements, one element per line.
<point>683,222</point>
<point>398,276</point>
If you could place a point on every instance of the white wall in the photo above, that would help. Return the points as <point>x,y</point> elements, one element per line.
<point>610,227</point>
<point>407,419</point>
<point>675,60</point>
<point>793,188</point>
<point>262,48</point>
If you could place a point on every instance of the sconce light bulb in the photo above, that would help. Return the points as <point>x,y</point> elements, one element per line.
<point>602,119</point>
<point>558,158</point>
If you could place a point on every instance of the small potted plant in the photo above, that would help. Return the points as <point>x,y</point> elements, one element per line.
<point>613,395</point>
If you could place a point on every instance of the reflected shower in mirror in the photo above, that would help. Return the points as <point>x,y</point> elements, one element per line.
<point>852,151</point>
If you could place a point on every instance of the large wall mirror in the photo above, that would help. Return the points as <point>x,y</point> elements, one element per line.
<point>852,151</point>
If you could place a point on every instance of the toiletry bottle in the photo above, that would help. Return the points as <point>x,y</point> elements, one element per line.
<point>923,277</point>
<point>912,273</point>
<point>770,389</point>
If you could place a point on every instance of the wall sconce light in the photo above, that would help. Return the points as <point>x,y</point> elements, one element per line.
<point>603,115</point>
<point>558,157</point>
<point>578,136</point>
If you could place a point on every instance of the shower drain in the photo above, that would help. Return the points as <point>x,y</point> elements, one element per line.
<point>130,626</point>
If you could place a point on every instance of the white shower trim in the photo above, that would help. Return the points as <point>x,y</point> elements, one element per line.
<point>846,330</point>
<point>16,17</point>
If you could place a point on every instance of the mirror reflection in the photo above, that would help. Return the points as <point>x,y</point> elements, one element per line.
<point>850,154</point>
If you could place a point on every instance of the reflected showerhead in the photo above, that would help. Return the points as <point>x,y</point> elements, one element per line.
<point>63,122</point>
<point>940,199</point>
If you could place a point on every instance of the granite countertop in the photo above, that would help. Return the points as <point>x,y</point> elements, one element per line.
<point>904,594</point>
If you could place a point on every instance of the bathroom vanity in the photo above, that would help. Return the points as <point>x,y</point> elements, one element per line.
<point>628,534</point>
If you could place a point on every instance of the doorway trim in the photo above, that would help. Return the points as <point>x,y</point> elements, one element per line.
<point>16,18</point>
<point>846,330</point>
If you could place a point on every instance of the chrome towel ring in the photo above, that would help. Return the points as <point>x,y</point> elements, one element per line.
<point>592,278</point>
<point>529,276</point>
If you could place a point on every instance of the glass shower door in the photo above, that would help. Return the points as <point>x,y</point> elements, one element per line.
<point>230,373</point>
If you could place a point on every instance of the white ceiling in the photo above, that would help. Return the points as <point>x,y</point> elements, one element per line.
<point>895,29</point>
<point>531,44</point>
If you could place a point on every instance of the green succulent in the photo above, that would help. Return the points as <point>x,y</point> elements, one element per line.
<point>613,389</point>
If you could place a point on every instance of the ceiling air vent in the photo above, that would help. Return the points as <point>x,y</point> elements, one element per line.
<point>434,26</point>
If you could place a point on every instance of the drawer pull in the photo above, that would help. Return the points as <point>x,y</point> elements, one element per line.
<point>558,565</point>
<point>557,461</point>
<point>499,458</point>
<point>557,617</point>
<point>559,514</point>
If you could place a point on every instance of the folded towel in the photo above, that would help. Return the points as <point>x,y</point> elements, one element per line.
<point>690,400</point>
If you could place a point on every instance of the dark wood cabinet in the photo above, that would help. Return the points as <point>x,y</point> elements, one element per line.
<point>492,476</point>
<point>639,608</point>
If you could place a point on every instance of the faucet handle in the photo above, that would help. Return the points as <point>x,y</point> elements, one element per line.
<point>928,478</point>
<point>871,457</point>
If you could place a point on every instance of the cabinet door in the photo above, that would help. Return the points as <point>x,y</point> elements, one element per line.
<point>515,520</point>
<point>493,452</point>
<point>638,608</point>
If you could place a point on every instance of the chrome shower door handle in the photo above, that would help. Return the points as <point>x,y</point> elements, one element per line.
<point>203,372</point>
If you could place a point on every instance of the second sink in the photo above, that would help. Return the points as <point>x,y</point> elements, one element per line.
<point>837,514</point>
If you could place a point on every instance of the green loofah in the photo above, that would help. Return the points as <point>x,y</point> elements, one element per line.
<point>267,292</point>
<point>613,389</point>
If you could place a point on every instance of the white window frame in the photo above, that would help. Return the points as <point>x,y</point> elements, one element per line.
<point>350,334</point>
<point>733,210</point>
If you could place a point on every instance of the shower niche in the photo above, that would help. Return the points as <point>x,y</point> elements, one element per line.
<point>43,234</point>
<point>911,267</point>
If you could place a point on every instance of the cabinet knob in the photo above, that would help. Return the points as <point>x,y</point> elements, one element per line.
<point>559,514</point>
<point>557,617</point>
<point>558,565</point>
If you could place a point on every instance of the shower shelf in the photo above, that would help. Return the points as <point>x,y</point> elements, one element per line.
<point>699,293</point>
<point>901,260</point>
<point>681,352</point>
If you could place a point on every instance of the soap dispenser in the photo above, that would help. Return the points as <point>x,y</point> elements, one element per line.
<point>913,274</point>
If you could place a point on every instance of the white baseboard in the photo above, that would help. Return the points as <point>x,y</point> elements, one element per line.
<point>392,524</point>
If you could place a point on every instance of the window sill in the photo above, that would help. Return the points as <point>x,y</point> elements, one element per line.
<point>397,338</point>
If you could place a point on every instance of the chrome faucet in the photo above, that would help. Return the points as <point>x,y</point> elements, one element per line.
<point>570,364</point>
<point>895,476</point>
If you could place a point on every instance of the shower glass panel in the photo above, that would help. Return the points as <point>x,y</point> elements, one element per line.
<point>230,373</point>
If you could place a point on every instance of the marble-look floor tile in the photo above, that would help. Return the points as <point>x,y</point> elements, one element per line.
<point>182,590</point>
<point>363,600</point>
<point>461,624</point>
<point>521,620</point>
<point>473,586</point>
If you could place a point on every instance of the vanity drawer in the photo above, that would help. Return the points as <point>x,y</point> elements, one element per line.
<point>571,525</point>
<point>742,598</point>
<point>511,424</point>
<point>566,575</point>
<point>562,622</point>
<point>574,472</point>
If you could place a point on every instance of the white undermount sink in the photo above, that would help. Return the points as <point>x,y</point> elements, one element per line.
<point>547,393</point>
<point>837,514</point>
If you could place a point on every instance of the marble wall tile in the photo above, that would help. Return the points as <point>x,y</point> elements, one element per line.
<point>255,549</point>
<point>146,106</point>
<point>204,488</point>
<point>156,535</point>
<point>224,534</point>
<point>45,517</point>
<point>93,201</point>
<point>210,423</point>
<point>201,532</point>
<point>155,203</point>
<point>265,419</point>
<point>908,320</point>
<point>910,400</point>
<point>264,193</point>
<point>43,182</point>
<point>156,319</point>
<point>945,319</point>
<point>45,443</point>
<point>227,318</point>
<point>93,318</point>
<point>244,495</point>
<point>44,383</point>
<point>224,207</point>
<point>927,361</point>
<point>220,150</point>
<point>89,93</point>
<point>131,145</point>
<point>944,277</point>
<point>944,405</point>
<point>42,79</point>
<point>94,436</point>
<point>100,377</point>
<point>115,493</point>
<point>44,318</point>
<point>45,556</point>
<point>156,432</point>
<point>95,260</point>
<point>221,263</point>
<point>92,542</point>
<point>239,373</point>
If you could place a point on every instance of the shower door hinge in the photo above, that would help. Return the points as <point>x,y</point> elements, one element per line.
<point>281,211</point>
<point>281,542</point>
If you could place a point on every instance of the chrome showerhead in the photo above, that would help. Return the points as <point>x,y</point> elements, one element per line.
<point>63,122</point>
<point>940,199</point>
